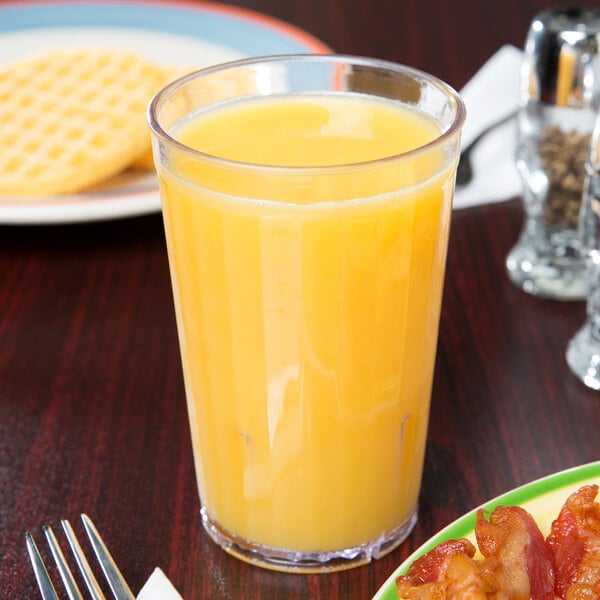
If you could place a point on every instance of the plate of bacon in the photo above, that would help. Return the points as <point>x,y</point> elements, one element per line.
<point>540,541</point>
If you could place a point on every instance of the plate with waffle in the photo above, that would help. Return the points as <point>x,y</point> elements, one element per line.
<point>75,81</point>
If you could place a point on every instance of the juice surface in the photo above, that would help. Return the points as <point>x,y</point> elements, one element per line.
<point>308,322</point>
<point>308,131</point>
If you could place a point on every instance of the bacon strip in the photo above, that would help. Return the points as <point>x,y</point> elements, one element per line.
<point>516,560</point>
<point>446,571</point>
<point>516,563</point>
<point>574,542</point>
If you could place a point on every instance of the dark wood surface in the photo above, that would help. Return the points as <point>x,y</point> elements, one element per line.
<point>92,410</point>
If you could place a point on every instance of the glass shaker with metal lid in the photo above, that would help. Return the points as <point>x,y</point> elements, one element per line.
<point>558,104</point>
<point>583,350</point>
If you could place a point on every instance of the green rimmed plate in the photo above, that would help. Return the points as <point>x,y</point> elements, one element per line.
<point>542,498</point>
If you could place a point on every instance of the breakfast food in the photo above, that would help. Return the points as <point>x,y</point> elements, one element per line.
<point>167,74</point>
<point>70,119</point>
<point>515,561</point>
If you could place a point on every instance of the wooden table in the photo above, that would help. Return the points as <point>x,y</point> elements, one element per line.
<point>92,410</point>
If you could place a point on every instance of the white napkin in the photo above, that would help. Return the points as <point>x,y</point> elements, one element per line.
<point>492,93</point>
<point>158,587</point>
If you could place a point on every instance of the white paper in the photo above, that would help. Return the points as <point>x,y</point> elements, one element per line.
<point>158,587</point>
<point>491,94</point>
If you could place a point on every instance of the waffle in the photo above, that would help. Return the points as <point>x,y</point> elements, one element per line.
<point>72,118</point>
<point>168,74</point>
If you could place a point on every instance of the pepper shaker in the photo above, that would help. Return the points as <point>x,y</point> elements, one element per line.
<point>558,103</point>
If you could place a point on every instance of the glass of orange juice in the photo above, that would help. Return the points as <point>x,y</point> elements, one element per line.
<point>306,204</point>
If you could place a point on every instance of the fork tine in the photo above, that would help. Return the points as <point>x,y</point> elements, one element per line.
<point>84,566</point>
<point>116,581</point>
<point>63,568</point>
<point>45,586</point>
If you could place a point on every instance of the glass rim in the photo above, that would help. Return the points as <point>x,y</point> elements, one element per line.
<point>164,94</point>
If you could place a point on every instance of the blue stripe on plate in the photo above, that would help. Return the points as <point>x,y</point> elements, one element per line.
<point>250,33</point>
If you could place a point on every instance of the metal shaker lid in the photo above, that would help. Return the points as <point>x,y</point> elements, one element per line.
<point>561,64</point>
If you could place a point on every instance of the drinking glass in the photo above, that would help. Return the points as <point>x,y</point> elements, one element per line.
<point>307,289</point>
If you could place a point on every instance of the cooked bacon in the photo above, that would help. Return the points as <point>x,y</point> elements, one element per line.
<point>516,561</point>
<point>447,571</point>
<point>574,542</point>
<point>430,567</point>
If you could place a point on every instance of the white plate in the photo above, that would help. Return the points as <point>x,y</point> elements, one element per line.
<point>170,33</point>
<point>542,498</point>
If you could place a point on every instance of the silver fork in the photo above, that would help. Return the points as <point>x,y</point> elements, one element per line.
<point>116,582</point>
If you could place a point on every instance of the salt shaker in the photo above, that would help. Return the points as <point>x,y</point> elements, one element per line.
<point>583,351</point>
<point>558,103</point>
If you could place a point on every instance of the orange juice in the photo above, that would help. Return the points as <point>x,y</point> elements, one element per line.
<point>308,303</point>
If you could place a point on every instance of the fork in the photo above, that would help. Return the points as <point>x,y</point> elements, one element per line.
<point>116,582</point>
